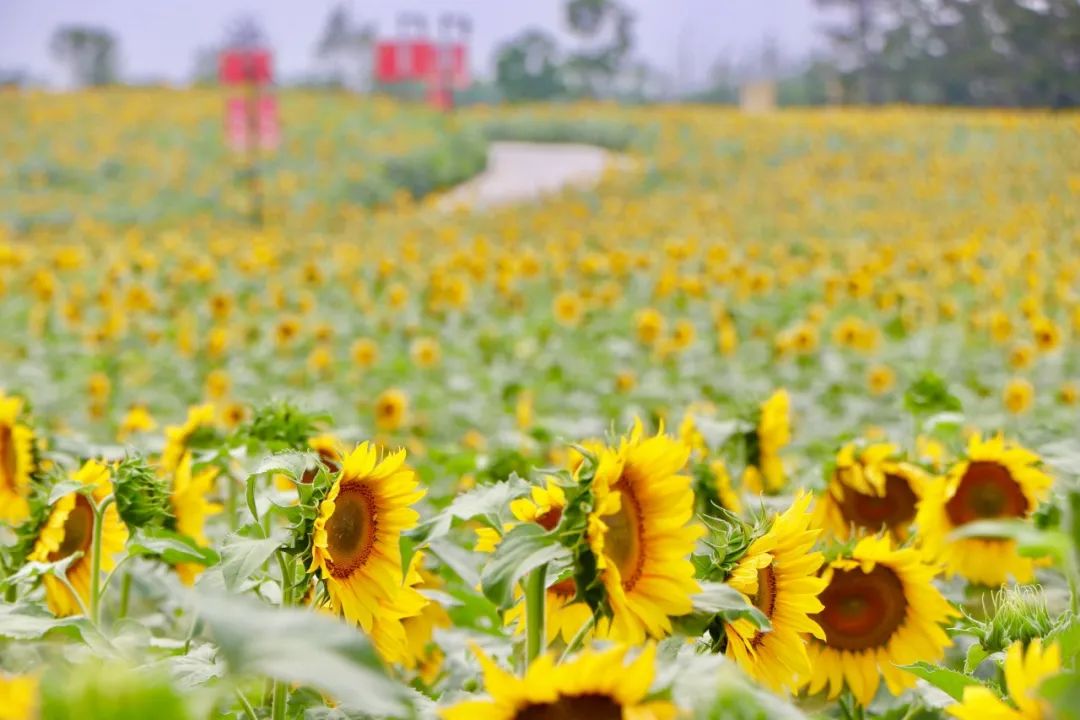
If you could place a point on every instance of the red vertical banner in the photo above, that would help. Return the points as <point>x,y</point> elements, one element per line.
<point>236,123</point>
<point>268,123</point>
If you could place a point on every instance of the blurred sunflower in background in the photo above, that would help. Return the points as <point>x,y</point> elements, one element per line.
<point>16,461</point>
<point>765,471</point>
<point>70,529</point>
<point>391,409</point>
<point>595,684</point>
<point>1025,671</point>
<point>778,575</point>
<point>642,532</point>
<point>191,507</point>
<point>995,480</point>
<point>869,490</point>
<point>355,542</point>
<point>178,437</point>
<point>880,610</point>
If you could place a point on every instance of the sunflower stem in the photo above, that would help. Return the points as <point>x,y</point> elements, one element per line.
<point>578,639</point>
<point>535,592</point>
<point>125,596</point>
<point>280,691</point>
<point>95,559</point>
<point>230,500</point>
<point>249,711</point>
<point>249,495</point>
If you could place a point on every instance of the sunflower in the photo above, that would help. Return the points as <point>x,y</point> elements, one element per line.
<point>562,616</point>
<point>390,634</point>
<point>69,529</point>
<point>641,531</point>
<point>650,325</point>
<point>881,610</point>
<point>1018,395</point>
<point>177,437</point>
<point>16,461</point>
<point>568,308</point>
<point>766,470</point>
<point>777,575</point>
<point>880,379</point>
<point>424,656</point>
<point>721,488</point>
<point>425,352</point>
<point>191,508</point>
<point>1024,673</point>
<point>364,352</point>
<point>869,491</point>
<point>355,543</point>
<point>137,420</point>
<point>595,684</point>
<point>997,480</point>
<point>18,697</point>
<point>391,409</point>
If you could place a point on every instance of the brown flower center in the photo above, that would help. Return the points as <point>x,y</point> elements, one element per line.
<point>574,707</point>
<point>331,466</point>
<point>78,530</point>
<point>862,610</point>
<point>549,519</point>
<point>765,599</point>
<point>623,543</point>
<point>987,490</point>
<point>565,588</point>
<point>7,457</point>
<point>351,530</point>
<point>895,509</point>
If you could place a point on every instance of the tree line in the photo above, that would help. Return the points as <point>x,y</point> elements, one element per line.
<point>1009,53</point>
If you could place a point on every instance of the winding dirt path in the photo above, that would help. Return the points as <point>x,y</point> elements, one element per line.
<point>523,172</point>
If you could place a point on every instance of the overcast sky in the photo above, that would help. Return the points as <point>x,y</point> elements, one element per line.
<point>158,38</point>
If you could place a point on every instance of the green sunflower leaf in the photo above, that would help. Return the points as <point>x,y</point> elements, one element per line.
<point>243,556</point>
<point>66,487</point>
<point>291,463</point>
<point>302,647</point>
<point>522,550</point>
<point>951,682</point>
<point>171,547</point>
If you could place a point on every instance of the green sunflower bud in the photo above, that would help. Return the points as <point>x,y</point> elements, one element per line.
<point>142,498</point>
<point>280,426</point>
<point>1015,613</point>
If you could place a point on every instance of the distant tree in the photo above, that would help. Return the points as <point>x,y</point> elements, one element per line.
<point>608,28</point>
<point>528,68</point>
<point>91,53</point>
<point>984,52</point>
<point>346,50</point>
<point>856,37</point>
<point>245,32</point>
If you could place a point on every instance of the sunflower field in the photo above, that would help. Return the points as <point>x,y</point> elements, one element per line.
<point>780,420</point>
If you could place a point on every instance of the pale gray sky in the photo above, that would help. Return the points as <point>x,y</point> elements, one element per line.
<point>158,38</point>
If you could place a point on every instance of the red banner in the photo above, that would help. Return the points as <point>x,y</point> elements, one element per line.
<point>241,67</point>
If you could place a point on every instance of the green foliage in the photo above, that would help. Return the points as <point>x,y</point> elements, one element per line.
<point>993,52</point>
<point>299,646</point>
<point>930,394</point>
<point>951,682</point>
<point>117,692</point>
<point>523,549</point>
<point>279,426</point>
